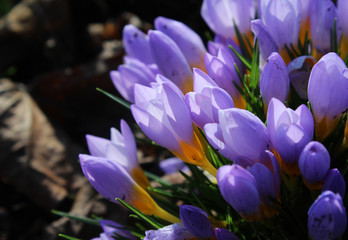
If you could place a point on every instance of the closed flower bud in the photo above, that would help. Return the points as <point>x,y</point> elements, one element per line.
<point>334,182</point>
<point>327,218</point>
<point>224,234</point>
<point>314,163</point>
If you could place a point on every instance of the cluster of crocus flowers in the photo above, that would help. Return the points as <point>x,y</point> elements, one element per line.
<point>264,123</point>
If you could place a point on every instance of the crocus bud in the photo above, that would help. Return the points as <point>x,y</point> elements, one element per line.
<point>342,8</point>
<point>289,132</point>
<point>239,188</point>
<point>314,163</point>
<point>136,44</point>
<point>221,68</point>
<point>224,234</point>
<point>164,117</point>
<point>196,221</point>
<point>173,231</point>
<point>243,134</point>
<point>299,71</point>
<point>328,93</point>
<point>110,228</point>
<point>129,74</point>
<point>323,14</point>
<point>112,181</point>
<point>170,60</point>
<point>327,218</point>
<point>221,15</point>
<point>187,40</point>
<point>334,182</point>
<point>206,100</point>
<point>274,82</point>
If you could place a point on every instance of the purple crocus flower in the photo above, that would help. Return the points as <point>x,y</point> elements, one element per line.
<point>224,234</point>
<point>323,14</point>
<point>299,71</point>
<point>187,40</point>
<point>328,93</point>
<point>121,149</point>
<point>206,99</point>
<point>110,228</point>
<point>220,15</point>
<point>314,164</point>
<point>282,19</point>
<point>172,165</point>
<point>222,70</point>
<point>112,181</point>
<point>196,221</point>
<point>239,188</point>
<point>342,8</point>
<point>130,73</point>
<point>334,182</point>
<point>289,132</point>
<point>327,218</point>
<point>170,60</point>
<point>136,44</point>
<point>274,81</point>
<point>164,117</point>
<point>174,231</point>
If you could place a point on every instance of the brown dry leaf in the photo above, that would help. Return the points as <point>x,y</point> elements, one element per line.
<point>31,154</point>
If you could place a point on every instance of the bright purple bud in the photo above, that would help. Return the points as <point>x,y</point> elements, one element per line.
<point>239,188</point>
<point>110,228</point>
<point>196,221</point>
<point>266,42</point>
<point>136,44</point>
<point>243,133</point>
<point>129,74</point>
<point>289,132</point>
<point>220,15</point>
<point>170,60</point>
<point>334,182</point>
<point>327,218</point>
<point>274,82</point>
<point>221,68</point>
<point>283,19</point>
<point>323,14</point>
<point>314,163</point>
<point>299,71</point>
<point>187,40</point>
<point>224,234</point>
<point>328,93</point>
<point>173,231</point>
<point>206,100</point>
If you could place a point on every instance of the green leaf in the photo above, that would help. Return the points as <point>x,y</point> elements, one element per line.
<point>142,216</point>
<point>244,60</point>
<point>254,74</point>
<point>115,98</point>
<point>67,237</point>
<point>81,219</point>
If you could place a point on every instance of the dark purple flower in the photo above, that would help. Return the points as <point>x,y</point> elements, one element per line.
<point>174,231</point>
<point>224,234</point>
<point>327,217</point>
<point>196,221</point>
<point>334,182</point>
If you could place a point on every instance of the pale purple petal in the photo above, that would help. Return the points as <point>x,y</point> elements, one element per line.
<point>201,80</point>
<point>171,232</point>
<point>97,145</point>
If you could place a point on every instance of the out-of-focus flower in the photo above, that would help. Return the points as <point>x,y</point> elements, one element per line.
<point>196,221</point>
<point>334,182</point>
<point>328,93</point>
<point>111,229</point>
<point>282,19</point>
<point>172,165</point>
<point>170,60</point>
<point>174,231</point>
<point>327,218</point>
<point>274,82</point>
<point>187,40</point>
<point>112,181</point>
<point>299,71</point>
<point>342,8</point>
<point>323,14</point>
<point>121,149</point>
<point>206,99</point>
<point>224,234</point>
<point>164,117</point>
<point>220,15</point>
<point>222,70</point>
<point>240,136</point>
<point>289,132</point>
<point>314,164</point>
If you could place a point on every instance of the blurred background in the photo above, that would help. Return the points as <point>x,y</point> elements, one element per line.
<point>53,56</point>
